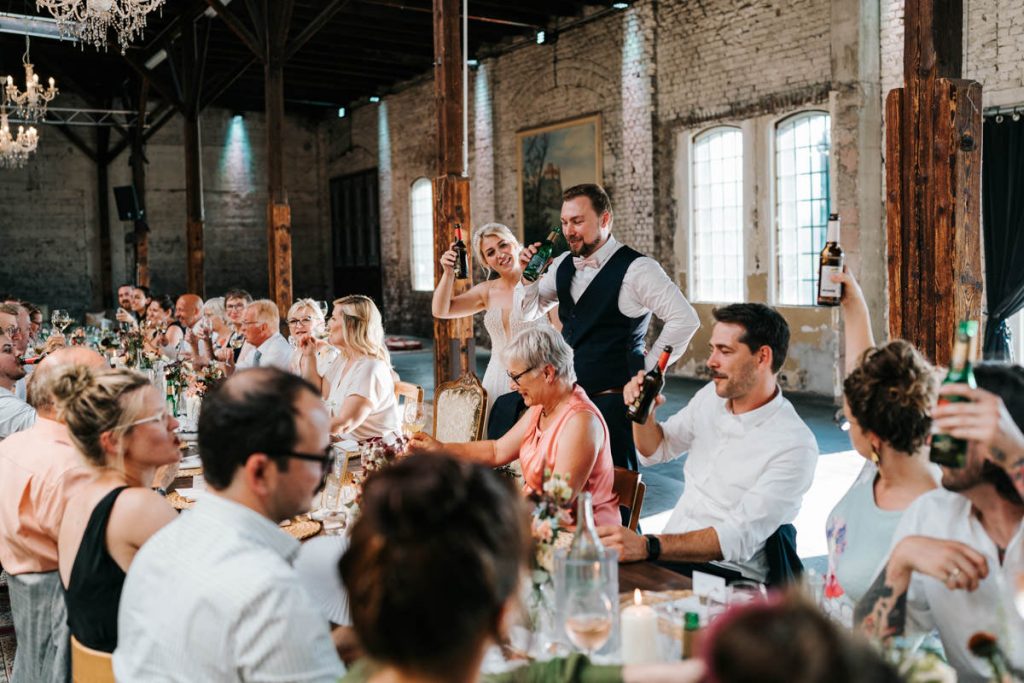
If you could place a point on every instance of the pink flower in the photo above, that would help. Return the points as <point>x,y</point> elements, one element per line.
<point>542,530</point>
<point>832,587</point>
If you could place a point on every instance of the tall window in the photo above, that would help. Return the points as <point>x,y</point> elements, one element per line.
<point>802,145</point>
<point>422,202</point>
<point>716,246</point>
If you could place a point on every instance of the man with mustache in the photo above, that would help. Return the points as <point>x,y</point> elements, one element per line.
<point>15,413</point>
<point>606,293</point>
<point>751,458</point>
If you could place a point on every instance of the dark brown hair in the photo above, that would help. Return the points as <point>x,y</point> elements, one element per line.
<point>592,191</point>
<point>891,392</point>
<point>764,327</point>
<point>438,550</point>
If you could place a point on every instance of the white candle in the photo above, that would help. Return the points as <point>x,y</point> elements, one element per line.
<point>639,632</point>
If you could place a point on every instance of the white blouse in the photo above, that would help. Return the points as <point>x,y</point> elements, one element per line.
<point>371,379</point>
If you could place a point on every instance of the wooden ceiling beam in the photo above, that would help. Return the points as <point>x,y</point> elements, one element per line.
<point>314,27</point>
<point>226,80</point>
<point>157,84</point>
<point>237,27</point>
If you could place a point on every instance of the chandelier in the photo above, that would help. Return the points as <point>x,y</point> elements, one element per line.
<point>15,150</point>
<point>30,104</point>
<point>89,20</point>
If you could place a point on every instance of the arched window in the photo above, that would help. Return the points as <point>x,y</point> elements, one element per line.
<point>421,201</point>
<point>716,245</point>
<point>802,145</point>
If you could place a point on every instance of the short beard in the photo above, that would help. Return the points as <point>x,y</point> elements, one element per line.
<point>586,249</point>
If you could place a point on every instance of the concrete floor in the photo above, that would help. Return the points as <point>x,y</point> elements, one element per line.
<point>837,466</point>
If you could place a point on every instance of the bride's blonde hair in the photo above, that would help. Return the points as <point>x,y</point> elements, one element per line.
<point>490,230</point>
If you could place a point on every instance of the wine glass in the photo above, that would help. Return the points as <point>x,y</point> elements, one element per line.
<point>743,592</point>
<point>588,617</point>
<point>60,319</point>
<point>413,418</point>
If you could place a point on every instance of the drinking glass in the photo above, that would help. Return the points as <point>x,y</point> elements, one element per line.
<point>588,617</point>
<point>743,592</point>
<point>413,418</point>
<point>60,319</point>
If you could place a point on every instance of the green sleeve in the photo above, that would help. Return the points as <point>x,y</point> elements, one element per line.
<point>573,669</point>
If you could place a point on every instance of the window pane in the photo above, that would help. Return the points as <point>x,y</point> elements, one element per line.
<point>717,215</point>
<point>802,147</point>
<point>422,205</point>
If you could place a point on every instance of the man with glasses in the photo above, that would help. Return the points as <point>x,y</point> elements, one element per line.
<point>15,413</point>
<point>240,611</point>
<point>20,335</point>
<point>266,346</point>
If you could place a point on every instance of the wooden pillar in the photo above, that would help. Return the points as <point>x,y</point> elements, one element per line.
<point>453,339</point>
<point>194,217</point>
<point>103,203</point>
<point>138,164</point>
<point>279,214</point>
<point>933,183</point>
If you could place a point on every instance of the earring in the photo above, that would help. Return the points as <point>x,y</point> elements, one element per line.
<point>874,455</point>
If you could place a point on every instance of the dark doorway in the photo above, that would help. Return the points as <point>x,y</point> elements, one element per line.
<point>355,228</point>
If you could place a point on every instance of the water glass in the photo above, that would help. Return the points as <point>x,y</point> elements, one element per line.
<point>413,418</point>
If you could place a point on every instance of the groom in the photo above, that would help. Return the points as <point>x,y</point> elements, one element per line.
<point>606,293</point>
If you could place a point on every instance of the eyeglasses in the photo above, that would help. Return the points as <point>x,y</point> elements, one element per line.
<point>162,416</point>
<point>323,458</point>
<point>12,331</point>
<point>516,377</point>
<point>292,322</point>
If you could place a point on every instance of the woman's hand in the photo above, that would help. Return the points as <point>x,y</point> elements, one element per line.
<point>955,564</point>
<point>448,259</point>
<point>306,344</point>
<point>852,293</point>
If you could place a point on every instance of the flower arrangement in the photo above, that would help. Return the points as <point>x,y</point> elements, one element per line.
<point>203,379</point>
<point>380,451</point>
<point>551,524</point>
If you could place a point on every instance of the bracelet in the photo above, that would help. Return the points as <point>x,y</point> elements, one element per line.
<point>653,547</point>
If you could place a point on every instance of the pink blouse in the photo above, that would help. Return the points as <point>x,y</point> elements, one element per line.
<point>538,453</point>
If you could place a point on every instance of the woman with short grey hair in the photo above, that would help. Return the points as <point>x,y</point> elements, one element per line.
<point>561,433</point>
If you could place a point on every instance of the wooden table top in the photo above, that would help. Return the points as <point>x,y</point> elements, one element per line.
<point>650,577</point>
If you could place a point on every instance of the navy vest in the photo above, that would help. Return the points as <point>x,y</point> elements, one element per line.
<point>608,347</point>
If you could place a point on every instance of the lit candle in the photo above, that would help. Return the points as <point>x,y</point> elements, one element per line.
<point>639,632</point>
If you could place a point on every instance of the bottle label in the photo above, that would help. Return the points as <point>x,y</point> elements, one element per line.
<point>827,287</point>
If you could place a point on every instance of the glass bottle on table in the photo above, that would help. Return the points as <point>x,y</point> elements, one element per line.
<point>654,381</point>
<point>945,449</point>
<point>588,610</point>
<point>542,258</point>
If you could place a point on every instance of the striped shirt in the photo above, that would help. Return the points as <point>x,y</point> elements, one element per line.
<point>213,597</point>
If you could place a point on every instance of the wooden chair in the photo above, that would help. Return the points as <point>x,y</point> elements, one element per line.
<point>409,391</point>
<point>459,410</point>
<point>90,666</point>
<point>630,489</point>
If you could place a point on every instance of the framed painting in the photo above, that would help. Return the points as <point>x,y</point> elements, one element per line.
<point>550,159</point>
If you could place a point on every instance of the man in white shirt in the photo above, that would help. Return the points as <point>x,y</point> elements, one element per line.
<point>956,555</point>
<point>239,611</point>
<point>20,327</point>
<point>15,414</point>
<point>606,293</point>
<point>751,458</point>
<point>266,347</point>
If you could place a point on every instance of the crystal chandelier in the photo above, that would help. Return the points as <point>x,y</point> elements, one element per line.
<point>30,104</point>
<point>15,150</point>
<point>89,20</point>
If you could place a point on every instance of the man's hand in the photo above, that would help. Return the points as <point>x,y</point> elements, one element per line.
<point>955,564</point>
<point>421,442</point>
<point>53,342</point>
<point>632,546</point>
<point>527,252</point>
<point>983,418</point>
<point>633,388</point>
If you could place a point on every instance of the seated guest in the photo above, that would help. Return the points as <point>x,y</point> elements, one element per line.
<point>265,345</point>
<point>162,334</point>
<point>955,553</point>
<point>306,326</point>
<point>359,386</point>
<point>39,470</point>
<point>188,309</point>
<point>124,296</point>
<point>434,571</point>
<point>118,421</point>
<point>15,414</point>
<point>211,334</point>
<point>19,332</point>
<point>751,458</point>
<point>889,392</point>
<point>239,610</point>
<point>35,324</point>
<point>235,301</point>
<point>140,303</point>
<point>562,432</point>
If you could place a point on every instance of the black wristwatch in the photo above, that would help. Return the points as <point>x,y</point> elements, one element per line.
<point>653,547</point>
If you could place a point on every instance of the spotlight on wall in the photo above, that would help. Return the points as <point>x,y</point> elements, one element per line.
<point>620,5</point>
<point>541,37</point>
<point>374,99</point>
<point>473,63</point>
<point>341,112</point>
<point>237,116</point>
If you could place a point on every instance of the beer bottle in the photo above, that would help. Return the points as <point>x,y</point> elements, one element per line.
<point>540,261</point>
<point>461,256</point>
<point>654,382</point>
<point>830,262</point>
<point>947,450</point>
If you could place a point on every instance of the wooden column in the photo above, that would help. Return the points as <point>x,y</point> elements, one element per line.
<point>933,183</point>
<point>138,164</point>
<point>194,217</point>
<point>453,339</point>
<point>103,203</point>
<point>279,214</point>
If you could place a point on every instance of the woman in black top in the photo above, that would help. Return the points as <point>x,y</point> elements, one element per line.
<point>118,422</point>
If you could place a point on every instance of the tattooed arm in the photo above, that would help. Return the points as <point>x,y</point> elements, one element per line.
<point>882,612</point>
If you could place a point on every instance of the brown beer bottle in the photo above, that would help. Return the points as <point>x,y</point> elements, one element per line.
<point>461,256</point>
<point>654,382</point>
<point>831,262</point>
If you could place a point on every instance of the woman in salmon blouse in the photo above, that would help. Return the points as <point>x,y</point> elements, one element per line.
<point>561,432</point>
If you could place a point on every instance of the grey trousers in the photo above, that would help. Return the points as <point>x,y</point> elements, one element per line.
<point>41,626</point>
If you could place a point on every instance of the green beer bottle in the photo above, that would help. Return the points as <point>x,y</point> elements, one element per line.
<point>539,263</point>
<point>947,450</point>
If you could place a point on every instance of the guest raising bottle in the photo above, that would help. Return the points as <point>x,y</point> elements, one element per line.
<point>654,381</point>
<point>829,264</point>
<point>461,256</point>
<point>540,261</point>
<point>947,450</point>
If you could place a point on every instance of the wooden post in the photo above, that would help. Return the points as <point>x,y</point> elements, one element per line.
<point>196,282</point>
<point>103,202</point>
<point>453,339</point>
<point>138,164</point>
<point>279,214</point>
<point>933,184</point>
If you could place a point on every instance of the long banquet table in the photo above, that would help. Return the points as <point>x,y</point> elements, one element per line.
<point>648,576</point>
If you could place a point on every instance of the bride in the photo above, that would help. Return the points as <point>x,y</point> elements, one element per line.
<point>497,249</point>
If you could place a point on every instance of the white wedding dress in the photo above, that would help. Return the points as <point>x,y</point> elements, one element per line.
<point>495,379</point>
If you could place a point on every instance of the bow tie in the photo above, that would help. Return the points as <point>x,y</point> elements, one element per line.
<point>588,262</point>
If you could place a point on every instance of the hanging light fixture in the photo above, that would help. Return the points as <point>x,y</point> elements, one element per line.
<point>15,150</point>
<point>30,103</point>
<point>89,20</point>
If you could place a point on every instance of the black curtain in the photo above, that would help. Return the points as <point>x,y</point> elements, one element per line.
<point>1002,197</point>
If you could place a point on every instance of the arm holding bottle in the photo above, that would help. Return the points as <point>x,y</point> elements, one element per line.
<point>446,306</point>
<point>856,318</point>
<point>541,296</point>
